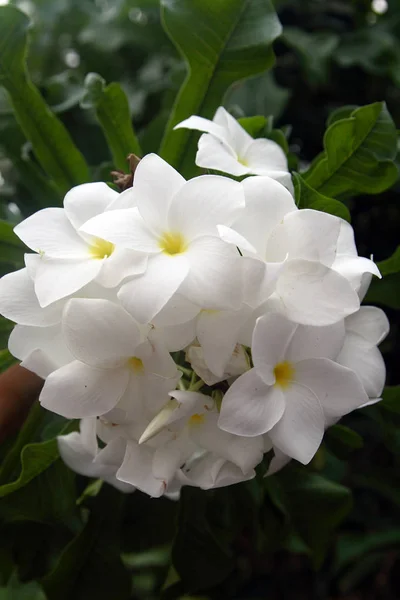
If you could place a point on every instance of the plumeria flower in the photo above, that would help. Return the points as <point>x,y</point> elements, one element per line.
<point>294,387</point>
<point>237,364</point>
<point>190,419</point>
<point>81,453</point>
<point>207,471</point>
<point>227,147</point>
<point>295,256</point>
<point>365,330</point>
<point>41,350</point>
<point>112,363</point>
<point>69,258</point>
<point>174,224</point>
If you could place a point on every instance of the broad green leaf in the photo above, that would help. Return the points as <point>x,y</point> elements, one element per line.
<point>314,506</point>
<point>34,457</point>
<point>254,126</point>
<point>201,559</point>
<point>385,291</point>
<point>358,156</point>
<point>343,112</point>
<point>307,197</point>
<point>346,435</point>
<point>221,42</point>
<point>112,110</point>
<point>391,265</point>
<point>11,247</point>
<point>50,140</point>
<point>90,565</point>
<point>342,440</point>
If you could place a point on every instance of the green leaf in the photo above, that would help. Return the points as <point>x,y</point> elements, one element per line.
<point>340,440</point>
<point>50,140</point>
<point>314,506</point>
<point>6,359</point>
<point>253,125</point>
<point>391,399</point>
<point>352,546</point>
<point>222,42</point>
<point>90,565</point>
<point>16,590</point>
<point>307,197</point>
<point>201,559</point>
<point>113,113</point>
<point>390,265</point>
<point>358,156</point>
<point>11,247</point>
<point>34,457</point>
<point>385,291</point>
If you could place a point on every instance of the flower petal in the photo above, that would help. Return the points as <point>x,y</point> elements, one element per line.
<point>136,469</point>
<point>56,279</point>
<point>300,430</point>
<point>267,202</point>
<point>316,342</point>
<point>99,333</point>
<point>250,407</point>
<point>215,154</point>
<point>217,332</point>
<point>264,157</point>
<point>202,124</point>
<point>83,202</point>
<point>124,227</point>
<point>313,294</point>
<point>306,234</point>
<point>24,340</point>
<point>215,277</point>
<point>156,183</point>
<point>147,294</point>
<point>337,388</point>
<point>272,336</point>
<point>18,301</point>
<point>49,232</point>
<point>76,390</point>
<point>370,323</point>
<point>203,203</point>
<point>245,452</point>
<point>366,361</point>
<point>121,264</point>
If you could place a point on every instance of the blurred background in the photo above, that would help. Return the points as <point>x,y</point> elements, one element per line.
<point>332,53</point>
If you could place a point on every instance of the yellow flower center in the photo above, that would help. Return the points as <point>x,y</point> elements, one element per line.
<point>136,364</point>
<point>172,243</point>
<point>196,419</point>
<point>284,373</point>
<point>242,161</point>
<point>101,248</point>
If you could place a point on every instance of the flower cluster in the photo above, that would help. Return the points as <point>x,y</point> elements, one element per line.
<point>194,325</point>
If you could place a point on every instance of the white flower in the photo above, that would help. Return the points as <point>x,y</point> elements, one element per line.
<point>292,391</point>
<point>188,428</point>
<point>237,364</point>
<point>71,259</point>
<point>293,259</point>
<point>227,147</point>
<point>365,330</point>
<point>42,350</point>
<point>112,364</point>
<point>81,453</point>
<point>175,225</point>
